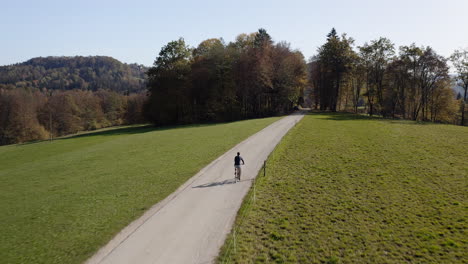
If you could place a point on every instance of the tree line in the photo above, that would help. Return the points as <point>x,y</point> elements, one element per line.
<point>413,84</point>
<point>32,114</point>
<point>55,96</point>
<point>247,78</point>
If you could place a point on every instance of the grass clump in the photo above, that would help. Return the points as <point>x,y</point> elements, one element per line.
<point>342,188</point>
<point>61,200</point>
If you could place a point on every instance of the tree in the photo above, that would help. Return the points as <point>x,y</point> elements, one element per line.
<point>434,70</point>
<point>212,86</point>
<point>243,42</point>
<point>18,116</point>
<point>262,38</point>
<point>168,86</point>
<point>410,57</point>
<point>398,78</point>
<point>442,105</point>
<point>262,70</point>
<point>357,81</point>
<point>460,61</point>
<point>376,57</point>
<point>113,106</point>
<point>29,114</point>
<point>93,111</point>
<point>424,68</point>
<point>315,80</point>
<point>334,59</point>
<point>135,105</point>
<point>250,77</point>
<point>65,114</point>
<point>289,79</point>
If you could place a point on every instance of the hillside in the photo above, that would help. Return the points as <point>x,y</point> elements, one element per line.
<point>67,73</point>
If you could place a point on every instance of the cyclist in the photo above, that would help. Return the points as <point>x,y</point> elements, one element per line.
<point>237,166</point>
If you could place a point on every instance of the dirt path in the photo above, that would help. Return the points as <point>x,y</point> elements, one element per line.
<point>190,225</point>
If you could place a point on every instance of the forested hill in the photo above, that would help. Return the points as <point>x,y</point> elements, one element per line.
<point>67,73</point>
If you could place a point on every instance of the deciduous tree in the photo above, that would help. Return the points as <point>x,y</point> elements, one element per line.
<point>460,60</point>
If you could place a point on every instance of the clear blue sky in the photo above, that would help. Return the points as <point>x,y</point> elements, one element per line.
<point>134,31</point>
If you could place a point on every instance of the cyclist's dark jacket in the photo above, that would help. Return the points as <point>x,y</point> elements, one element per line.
<point>237,160</point>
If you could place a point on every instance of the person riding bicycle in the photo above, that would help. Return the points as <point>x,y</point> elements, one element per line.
<point>237,166</point>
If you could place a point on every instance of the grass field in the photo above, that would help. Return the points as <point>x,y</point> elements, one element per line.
<point>342,188</point>
<point>60,201</point>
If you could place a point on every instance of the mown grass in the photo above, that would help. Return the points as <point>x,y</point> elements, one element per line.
<point>342,188</point>
<point>61,200</point>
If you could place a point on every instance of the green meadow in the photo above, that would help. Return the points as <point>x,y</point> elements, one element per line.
<point>61,200</point>
<point>342,188</point>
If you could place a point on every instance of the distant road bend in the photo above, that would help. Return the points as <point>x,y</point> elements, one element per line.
<point>190,225</point>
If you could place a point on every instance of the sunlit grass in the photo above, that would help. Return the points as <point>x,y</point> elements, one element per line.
<point>342,188</point>
<point>61,200</point>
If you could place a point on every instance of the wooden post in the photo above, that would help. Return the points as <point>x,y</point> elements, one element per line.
<point>264,168</point>
<point>50,117</point>
<point>235,248</point>
<point>254,183</point>
<point>50,125</point>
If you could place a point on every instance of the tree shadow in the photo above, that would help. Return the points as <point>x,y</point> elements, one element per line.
<point>24,143</point>
<point>138,129</point>
<point>130,130</point>
<point>343,116</point>
<point>113,132</point>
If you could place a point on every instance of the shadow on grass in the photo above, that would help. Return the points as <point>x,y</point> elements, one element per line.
<point>135,130</point>
<point>111,131</point>
<point>130,130</point>
<point>343,116</point>
<point>24,143</point>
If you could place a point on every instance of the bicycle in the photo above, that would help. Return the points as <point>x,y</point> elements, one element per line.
<point>237,173</point>
<point>237,168</point>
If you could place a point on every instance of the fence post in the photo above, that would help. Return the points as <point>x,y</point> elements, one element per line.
<point>235,248</point>
<point>264,168</point>
<point>254,183</point>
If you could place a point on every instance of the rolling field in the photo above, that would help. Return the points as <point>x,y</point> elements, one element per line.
<point>61,200</point>
<point>342,188</point>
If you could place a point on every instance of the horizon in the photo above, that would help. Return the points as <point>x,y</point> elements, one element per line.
<point>135,33</point>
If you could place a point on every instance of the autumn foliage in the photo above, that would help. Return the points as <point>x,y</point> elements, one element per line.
<point>250,77</point>
<point>34,115</point>
<point>374,79</point>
